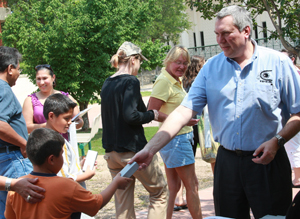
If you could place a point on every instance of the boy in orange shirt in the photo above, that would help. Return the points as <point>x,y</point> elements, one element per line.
<point>63,196</point>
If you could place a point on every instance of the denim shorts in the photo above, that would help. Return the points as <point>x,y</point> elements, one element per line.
<point>179,151</point>
<point>12,165</point>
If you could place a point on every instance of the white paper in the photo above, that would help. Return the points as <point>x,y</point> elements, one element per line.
<point>73,138</point>
<point>90,159</point>
<point>81,113</point>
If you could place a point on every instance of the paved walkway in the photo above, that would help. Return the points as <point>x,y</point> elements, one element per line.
<point>207,206</point>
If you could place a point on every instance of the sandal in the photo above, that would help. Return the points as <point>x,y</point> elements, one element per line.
<point>180,207</point>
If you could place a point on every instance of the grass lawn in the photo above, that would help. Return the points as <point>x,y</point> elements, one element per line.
<point>97,140</point>
<point>146,93</point>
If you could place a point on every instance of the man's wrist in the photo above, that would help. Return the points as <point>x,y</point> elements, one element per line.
<point>280,140</point>
<point>8,184</point>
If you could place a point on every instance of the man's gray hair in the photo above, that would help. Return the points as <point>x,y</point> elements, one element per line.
<point>241,17</point>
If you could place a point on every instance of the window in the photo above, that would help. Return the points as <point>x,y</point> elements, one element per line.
<point>202,39</point>
<point>264,24</point>
<point>255,32</point>
<point>195,42</point>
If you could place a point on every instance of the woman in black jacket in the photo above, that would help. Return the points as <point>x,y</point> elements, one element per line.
<point>123,113</point>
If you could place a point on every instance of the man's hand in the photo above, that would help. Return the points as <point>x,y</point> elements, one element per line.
<point>193,122</point>
<point>23,151</point>
<point>25,187</point>
<point>269,150</point>
<point>143,158</point>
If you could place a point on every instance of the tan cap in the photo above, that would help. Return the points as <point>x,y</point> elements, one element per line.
<point>131,49</point>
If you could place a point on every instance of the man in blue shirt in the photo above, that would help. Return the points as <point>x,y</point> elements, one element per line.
<point>250,92</point>
<point>13,134</point>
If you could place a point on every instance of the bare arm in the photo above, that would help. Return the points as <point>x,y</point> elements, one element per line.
<point>156,104</point>
<point>24,187</point>
<point>28,116</point>
<point>269,148</point>
<point>79,120</point>
<point>88,174</point>
<point>172,125</point>
<point>118,182</point>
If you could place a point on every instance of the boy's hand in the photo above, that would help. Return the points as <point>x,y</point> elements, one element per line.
<point>82,163</point>
<point>90,173</point>
<point>122,182</point>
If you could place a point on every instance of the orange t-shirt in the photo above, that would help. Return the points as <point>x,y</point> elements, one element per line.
<point>63,197</point>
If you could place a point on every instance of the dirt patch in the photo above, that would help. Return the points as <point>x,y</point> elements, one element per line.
<point>102,179</point>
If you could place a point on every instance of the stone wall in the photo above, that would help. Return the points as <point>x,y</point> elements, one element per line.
<point>148,77</point>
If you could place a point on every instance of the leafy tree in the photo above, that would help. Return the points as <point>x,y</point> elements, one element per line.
<point>77,38</point>
<point>284,14</point>
<point>170,22</point>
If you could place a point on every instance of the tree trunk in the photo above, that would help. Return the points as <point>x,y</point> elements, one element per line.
<point>85,117</point>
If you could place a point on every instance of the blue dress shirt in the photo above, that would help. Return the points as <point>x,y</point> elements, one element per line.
<point>246,106</point>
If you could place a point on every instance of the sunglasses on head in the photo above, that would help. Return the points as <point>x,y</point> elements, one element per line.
<point>38,67</point>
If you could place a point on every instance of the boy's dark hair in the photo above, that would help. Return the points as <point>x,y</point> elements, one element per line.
<point>58,104</point>
<point>9,56</point>
<point>42,143</point>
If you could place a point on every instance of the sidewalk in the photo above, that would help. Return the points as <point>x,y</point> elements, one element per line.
<point>207,206</point>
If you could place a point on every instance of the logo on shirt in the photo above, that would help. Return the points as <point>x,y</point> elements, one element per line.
<point>265,76</point>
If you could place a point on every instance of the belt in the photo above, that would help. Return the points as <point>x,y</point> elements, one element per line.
<point>239,153</point>
<point>6,149</point>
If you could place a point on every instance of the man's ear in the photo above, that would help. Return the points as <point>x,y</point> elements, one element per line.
<point>247,31</point>
<point>9,69</point>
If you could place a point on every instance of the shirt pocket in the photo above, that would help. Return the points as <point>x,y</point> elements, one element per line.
<point>266,96</point>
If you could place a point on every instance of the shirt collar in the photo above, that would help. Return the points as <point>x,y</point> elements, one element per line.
<point>170,78</point>
<point>42,174</point>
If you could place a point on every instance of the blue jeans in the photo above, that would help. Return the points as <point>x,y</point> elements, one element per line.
<point>12,165</point>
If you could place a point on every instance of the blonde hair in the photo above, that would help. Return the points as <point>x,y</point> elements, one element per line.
<point>121,58</point>
<point>174,54</point>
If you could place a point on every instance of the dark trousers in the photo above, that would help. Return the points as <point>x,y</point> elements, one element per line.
<point>196,139</point>
<point>241,184</point>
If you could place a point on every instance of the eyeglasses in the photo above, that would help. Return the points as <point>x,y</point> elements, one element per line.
<point>184,63</point>
<point>20,70</point>
<point>140,58</point>
<point>39,67</point>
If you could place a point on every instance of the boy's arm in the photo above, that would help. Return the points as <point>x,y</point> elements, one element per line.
<point>118,182</point>
<point>88,174</point>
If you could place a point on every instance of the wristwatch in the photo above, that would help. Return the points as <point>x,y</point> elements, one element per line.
<point>280,140</point>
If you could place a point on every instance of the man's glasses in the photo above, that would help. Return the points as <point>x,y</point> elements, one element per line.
<point>20,70</point>
<point>39,67</point>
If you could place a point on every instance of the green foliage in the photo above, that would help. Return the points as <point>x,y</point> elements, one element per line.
<point>284,15</point>
<point>171,21</point>
<point>155,52</point>
<point>78,37</point>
